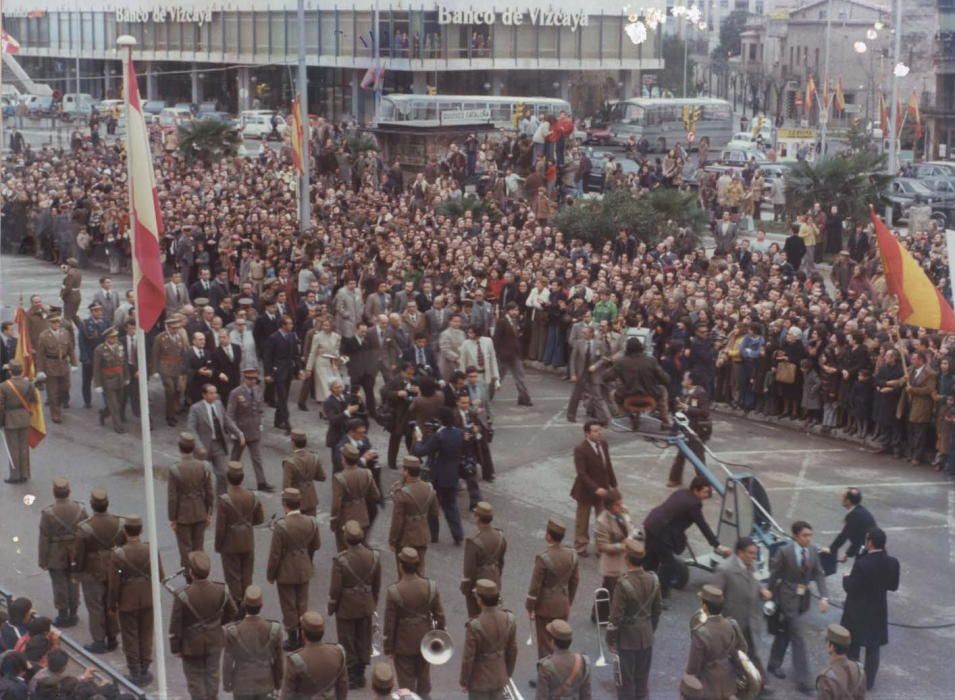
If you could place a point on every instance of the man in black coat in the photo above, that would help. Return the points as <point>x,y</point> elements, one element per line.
<point>666,525</point>
<point>280,361</point>
<point>398,394</point>
<point>857,523</point>
<point>362,364</point>
<point>339,408</point>
<point>866,613</point>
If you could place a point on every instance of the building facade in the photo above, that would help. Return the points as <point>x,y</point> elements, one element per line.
<point>939,111</point>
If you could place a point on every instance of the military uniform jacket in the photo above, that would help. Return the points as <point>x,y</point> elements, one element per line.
<point>316,672</point>
<point>490,650</point>
<point>239,510</point>
<point>356,583</point>
<point>55,353</point>
<point>13,414</point>
<point>95,540</point>
<point>58,524</point>
<point>198,612</point>
<point>70,291</point>
<point>412,504</point>
<point>354,496</point>
<point>713,649</point>
<point>411,605</point>
<point>294,539</point>
<point>842,679</point>
<point>564,675</point>
<point>300,470</point>
<point>554,582</point>
<point>246,407</point>
<point>190,492</point>
<point>167,355</point>
<point>483,557</point>
<point>36,324</point>
<point>252,658</point>
<point>634,610</point>
<point>129,570</point>
<point>109,366</point>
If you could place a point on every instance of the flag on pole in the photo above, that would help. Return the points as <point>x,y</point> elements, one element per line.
<point>298,136</point>
<point>913,111</point>
<point>145,218</point>
<point>920,302</point>
<point>7,43</point>
<point>810,94</point>
<point>372,77</point>
<point>840,97</point>
<point>24,353</point>
<point>883,116</point>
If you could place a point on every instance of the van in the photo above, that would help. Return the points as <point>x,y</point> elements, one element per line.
<point>258,125</point>
<point>173,117</point>
<point>107,106</point>
<point>78,103</point>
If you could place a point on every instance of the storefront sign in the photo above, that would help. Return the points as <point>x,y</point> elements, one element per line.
<point>164,14</point>
<point>466,115</point>
<point>536,17</point>
<point>796,134</point>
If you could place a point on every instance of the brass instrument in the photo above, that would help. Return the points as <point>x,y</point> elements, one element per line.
<point>511,692</point>
<point>698,619</point>
<point>749,682</point>
<point>377,638</point>
<point>530,635</point>
<point>601,596</point>
<point>437,647</point>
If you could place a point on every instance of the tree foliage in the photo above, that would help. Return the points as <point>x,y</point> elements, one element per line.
<point>208,140</point>
<point>361,143</point>
<point>456,208</point>
<point>651,216</point>
<point>671,77</point>
<point>851,183</point>
<point>730,29</point>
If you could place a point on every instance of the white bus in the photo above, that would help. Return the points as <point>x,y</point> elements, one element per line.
<point>660,121</point>
<point>448,109</point>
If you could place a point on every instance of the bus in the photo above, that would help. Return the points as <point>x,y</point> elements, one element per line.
<point>660,121</point>
<point>448,109</point>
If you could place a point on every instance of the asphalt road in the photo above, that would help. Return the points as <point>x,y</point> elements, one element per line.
<point>804,476</point>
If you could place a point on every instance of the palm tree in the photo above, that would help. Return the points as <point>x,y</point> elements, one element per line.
<point>208,140</point>
<point>851,183</point>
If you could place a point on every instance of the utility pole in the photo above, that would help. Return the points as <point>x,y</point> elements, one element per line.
<point>894,119</point>
<point>377,61</point>
<point>304,198</point>
<point>78,91</point>
<point>824,111</point>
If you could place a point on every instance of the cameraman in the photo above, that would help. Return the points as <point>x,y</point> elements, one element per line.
<point>426,407</point>
<point>397,395</point>
<point>340,408</point>
<point>445,452</point>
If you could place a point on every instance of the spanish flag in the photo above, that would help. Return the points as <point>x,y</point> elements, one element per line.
<point>915,114</point>
<point>24,354</point>
<point>840,97</point>
<point>920,302</point>
<point>883,116</point>
<point>298,137</point>
<point>810,94</point>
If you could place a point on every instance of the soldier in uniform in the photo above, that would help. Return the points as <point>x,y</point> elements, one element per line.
<point>553,585</point>
<point>412,609</point>
<point>713,648</point>
<point>95,540</point>
<point>483,555</point>
<point>246,408</point>
<point>354,495</point>
<point>382,680</point>
<point>237,513</point>
<point>37,320</point>
<point>634,614</point>
<point>563,675</point>
<point>18,400</point>
<point>300,471</point>
<point>167,361</point>
<point>70,291</point>
<point>353,599</point>
<point>414,502</point>
<point>252,658</point>
<point>295,538</point>
<point>130,595</point>
<point>199,610</point>
<point>110,374</point>
<point>842,679</point>
<point>189,500</point>
<point>55,356</point>
<point>695,403</point>
<point>490,646</point>
<point>92,333</point>
<point>58,526</point>
<point>318,670</point>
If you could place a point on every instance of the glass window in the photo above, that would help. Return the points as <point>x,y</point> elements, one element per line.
<point>502,41</point>
<point>363,26</point>
<point>99,35</point>
<point>311,33</point>
<point>568,43</point>
<point>613,35</point>
<point>717,112</point>
<point>261,34</point>
<point>590,39</point>
<point>214,40</point>
<point>231,30</point>
<point>87,20</point>
<point>548,42</point>
<point>501,112</point>
<point>327,24</point>
<point>54,22</point>
<point>246,31</point>
<point>278,34</point>
<point>526,41</point>
<point>74,30</point>
<point>174,36</point>
<point>159,32</point>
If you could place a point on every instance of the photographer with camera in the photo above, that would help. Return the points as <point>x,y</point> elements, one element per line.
<point>444,450</point>
<point>394,410</point>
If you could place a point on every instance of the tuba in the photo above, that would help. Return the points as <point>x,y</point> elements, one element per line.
<point>511,692</point>
<point>437,647</point>
<point>698,620</point>
<point>748,681</point>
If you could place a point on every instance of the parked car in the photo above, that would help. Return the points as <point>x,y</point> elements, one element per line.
<point>77,103</point>
<point>107,106</point>
<point>595,179</point>
<point>258,124</point>
<point>215,116</point>
<point>902,192</point>
<point>173,117</point>
<point>40,105</point>
<point>941,185</point>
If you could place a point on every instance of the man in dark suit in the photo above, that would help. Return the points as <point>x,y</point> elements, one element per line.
<point>361,364</point>
<point>201,287</point>
<point>594,478</point>
<point>421,355</point>
<point>219,289</point>
<point>198,367</point>
<point>226,360</point>
<point>866,613</point>
<point>665,529</point>
<point>791,570</point>
<point>857,523</point>
<point>507,345</point>
<point>266,324</point>
<point>281,363</point>
<point>339,408</point>
<point>445,450</point>
<point>8,347</point>
<point>743,257</point>
<point>398,394</point>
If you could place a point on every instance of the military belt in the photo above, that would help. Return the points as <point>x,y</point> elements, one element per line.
<point>112,370</point>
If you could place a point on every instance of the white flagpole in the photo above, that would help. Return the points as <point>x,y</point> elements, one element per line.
<point>126,44</point>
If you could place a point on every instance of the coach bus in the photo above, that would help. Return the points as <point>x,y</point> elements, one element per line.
<point>447,109</point>
<point>660,121</point>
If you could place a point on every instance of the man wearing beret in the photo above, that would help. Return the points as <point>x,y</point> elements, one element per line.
<point>70,289</point>
<point>95,540</point>
<point>483,555</point>
<point>414,503</point>
<point>713,648</point>
<point>300,470</point>
<point>199,610</point>
<point>238,512</point>
<point>55,356</point>
<point>318,669</point>
<point>490,646</point>
<point>553,585</point>
<point>92,333</point>
<point>58,527</point>
<point>842,679</point>
<point>246,408</point>
<point>563,674</point>
<point>168,353</point>
<point>382,679</point>
<point>189,501</point>
<point>110,374</point>
<point>252,659</point>
<point>634,614</point>
<point>355,495</point>
<point>18,400</point>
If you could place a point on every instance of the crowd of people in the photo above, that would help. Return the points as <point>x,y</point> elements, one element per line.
<point>388,310</point>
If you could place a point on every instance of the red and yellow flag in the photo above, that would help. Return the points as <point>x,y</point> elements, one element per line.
<point>810,94</point>
<point>883,116</point>
<point>913,108</point>
<point>298,136</point>
<point>840,97</point>
<point>24,354</point>
<point>7,43</point>
<point>920,302</point>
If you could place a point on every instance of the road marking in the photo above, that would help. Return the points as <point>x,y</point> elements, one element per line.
<point>746,452</point>
<point>791,510</point>
<point>891,528</point>
<point>873,485</point>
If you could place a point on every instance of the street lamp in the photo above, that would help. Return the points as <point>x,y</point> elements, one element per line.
<point>860,47</point>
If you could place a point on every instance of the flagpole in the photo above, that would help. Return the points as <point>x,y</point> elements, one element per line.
<point>126,44</point>
<point>305,203</point>
<point>893,135</point>
<point>824,127</point>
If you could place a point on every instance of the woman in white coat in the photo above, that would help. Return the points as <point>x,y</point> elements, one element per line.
<point>323,363</point>
<point>478,351</point>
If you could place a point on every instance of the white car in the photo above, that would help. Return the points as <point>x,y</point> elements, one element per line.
<point>107,106</point>
<point>173,117</point>
<point>258,125</point>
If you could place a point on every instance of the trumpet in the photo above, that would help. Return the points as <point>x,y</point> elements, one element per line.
<point>376,636</point>
<point>511,692</point>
